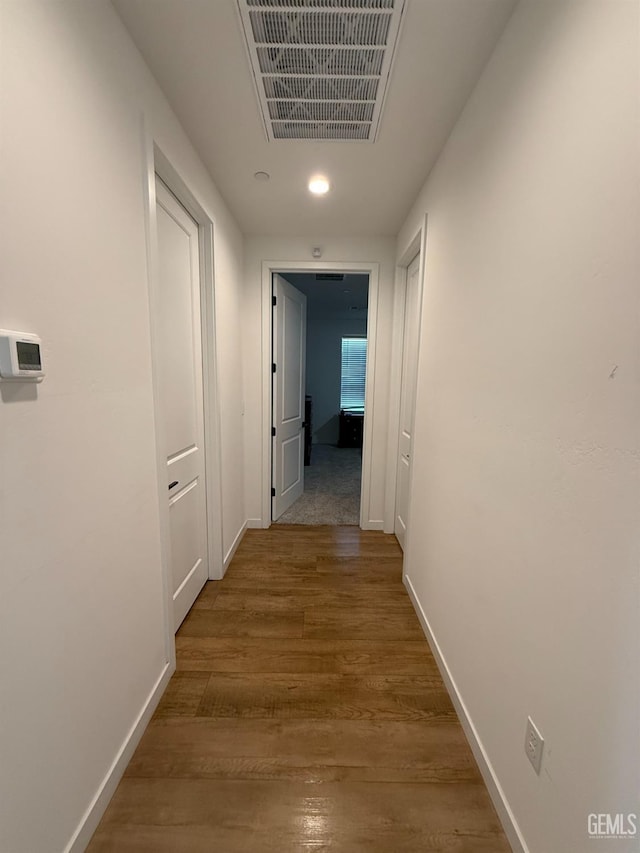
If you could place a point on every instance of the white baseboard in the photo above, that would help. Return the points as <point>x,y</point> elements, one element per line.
<point>498,798</point>
<point>98,806</point>
<point>254,524</point>
<point>373,525</point>
<point>234,547</point>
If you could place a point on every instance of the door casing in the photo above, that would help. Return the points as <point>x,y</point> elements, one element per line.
<point>417,245</point>
<point>367,268</point>
<point>408,390</point>
<point>158,164</point>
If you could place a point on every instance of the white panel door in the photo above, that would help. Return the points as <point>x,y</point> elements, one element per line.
<point>407,396</point>
<point>181,403</point>
<point>289,349</point>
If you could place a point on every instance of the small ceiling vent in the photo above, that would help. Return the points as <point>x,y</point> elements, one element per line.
<point>321,67</point>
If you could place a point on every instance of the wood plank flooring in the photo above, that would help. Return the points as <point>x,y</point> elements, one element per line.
<point>306,714</point>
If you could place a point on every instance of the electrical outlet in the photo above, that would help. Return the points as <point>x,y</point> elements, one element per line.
<point>533,745</point>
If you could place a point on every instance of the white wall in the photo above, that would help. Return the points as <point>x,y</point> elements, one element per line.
<point>523,548</point>
<point>346,250</point>
<point>324,369</point>
<point>81,610</point>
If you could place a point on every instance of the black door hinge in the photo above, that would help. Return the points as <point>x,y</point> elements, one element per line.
<point>273,368</point>
<point>274,301</point>
<point>273,493</point>
<point>273,430</point>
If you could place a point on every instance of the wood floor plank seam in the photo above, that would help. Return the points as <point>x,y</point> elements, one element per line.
<point>308,715</point>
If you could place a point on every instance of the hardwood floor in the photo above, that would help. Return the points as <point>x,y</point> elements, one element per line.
<point>306,713</point>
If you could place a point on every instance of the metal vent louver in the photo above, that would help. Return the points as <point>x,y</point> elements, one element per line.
<point>321,67</point>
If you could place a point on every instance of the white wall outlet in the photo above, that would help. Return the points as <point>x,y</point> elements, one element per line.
<point>534,745</point>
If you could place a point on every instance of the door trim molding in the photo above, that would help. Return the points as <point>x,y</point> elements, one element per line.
<point>210,382</point>
<point>157,163</point>
<point>406,254</point>
<point>371,269</point>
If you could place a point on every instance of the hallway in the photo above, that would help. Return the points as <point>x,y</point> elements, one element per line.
<point>306,712</point>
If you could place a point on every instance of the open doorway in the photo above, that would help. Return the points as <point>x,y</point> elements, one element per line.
<point>330,484</point>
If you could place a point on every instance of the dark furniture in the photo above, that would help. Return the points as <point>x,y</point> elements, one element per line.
<point>308,411</point>
<point>350,431</point>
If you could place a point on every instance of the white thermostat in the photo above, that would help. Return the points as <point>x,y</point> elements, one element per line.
<point>20,356</point>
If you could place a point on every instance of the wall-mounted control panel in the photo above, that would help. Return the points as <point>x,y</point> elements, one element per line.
<point>20,356</point>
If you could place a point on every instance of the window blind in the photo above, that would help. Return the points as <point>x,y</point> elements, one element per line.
<point>353,374</point>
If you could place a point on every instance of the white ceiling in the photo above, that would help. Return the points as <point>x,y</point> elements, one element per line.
<point>196,50</point>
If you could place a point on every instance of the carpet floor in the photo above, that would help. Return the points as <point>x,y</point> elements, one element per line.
<point>331,488</point>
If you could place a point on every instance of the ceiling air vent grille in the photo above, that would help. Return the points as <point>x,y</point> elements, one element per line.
<point>322,4</point>
<point>319,130</point>
<point>321,67</point>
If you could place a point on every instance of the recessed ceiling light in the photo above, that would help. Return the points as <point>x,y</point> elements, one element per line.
<point>261,176</point>
<point>318,185</point>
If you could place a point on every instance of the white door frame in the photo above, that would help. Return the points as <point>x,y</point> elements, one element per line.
<point>158,164</point>
<point>417,245</point>
<point>367,268</point>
